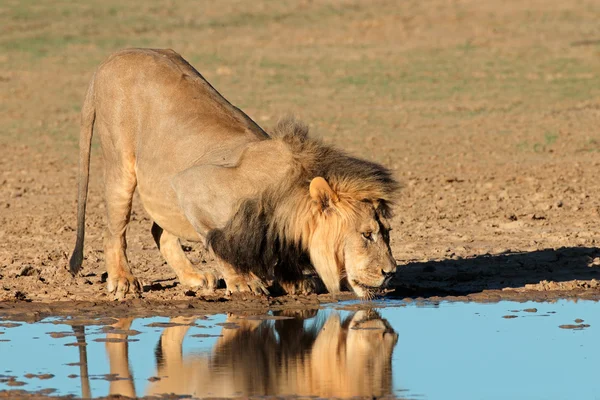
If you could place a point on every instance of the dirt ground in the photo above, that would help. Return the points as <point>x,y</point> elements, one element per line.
<point>487,112</point>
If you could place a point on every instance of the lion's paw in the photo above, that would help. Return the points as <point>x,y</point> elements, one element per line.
<point>123,284</point>
<point>305,286</point>
<point>200,279</point>
<point>246,283</point>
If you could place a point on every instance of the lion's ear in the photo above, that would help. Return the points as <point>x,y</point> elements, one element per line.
<point>322,193</point>
<point>384,213</point>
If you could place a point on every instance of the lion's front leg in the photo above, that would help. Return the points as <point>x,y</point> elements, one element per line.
<point>242,282</point>
<point>188,276</point>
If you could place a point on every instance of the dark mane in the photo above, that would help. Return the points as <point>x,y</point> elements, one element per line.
<point>261,237</point>
<point>246,244</point>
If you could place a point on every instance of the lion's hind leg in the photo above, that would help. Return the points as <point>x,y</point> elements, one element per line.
<point>120,183</point>
<point>170,248</point>
<point>117,350</point>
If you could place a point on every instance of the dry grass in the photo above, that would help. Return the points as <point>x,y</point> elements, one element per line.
<point>378,71</point>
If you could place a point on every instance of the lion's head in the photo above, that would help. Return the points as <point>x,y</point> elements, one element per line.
<point>350,237</point>
<point>346,231</point>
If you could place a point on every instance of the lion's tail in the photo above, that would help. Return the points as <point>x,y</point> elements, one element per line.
<point>88,116</point>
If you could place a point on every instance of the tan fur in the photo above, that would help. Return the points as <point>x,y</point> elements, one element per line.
<point>340,359</point>
<point>198,162</point>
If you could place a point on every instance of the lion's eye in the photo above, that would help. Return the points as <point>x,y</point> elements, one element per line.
<point>368,235</point>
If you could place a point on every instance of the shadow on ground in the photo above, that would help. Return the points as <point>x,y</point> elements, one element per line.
<point>496,272</point>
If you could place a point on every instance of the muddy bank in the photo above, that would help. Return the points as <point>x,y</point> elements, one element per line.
<point>140,307</point>
<point>33,292</point>
<point>90,310</point>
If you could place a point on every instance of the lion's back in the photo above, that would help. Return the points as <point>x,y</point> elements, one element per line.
<point>158,96</point>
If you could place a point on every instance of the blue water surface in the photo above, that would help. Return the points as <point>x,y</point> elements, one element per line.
<point>443,351</point>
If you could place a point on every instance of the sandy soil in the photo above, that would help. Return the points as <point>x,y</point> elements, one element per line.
<point>487,113</point>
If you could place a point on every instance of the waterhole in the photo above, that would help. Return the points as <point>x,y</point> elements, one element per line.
<point>387,348</point>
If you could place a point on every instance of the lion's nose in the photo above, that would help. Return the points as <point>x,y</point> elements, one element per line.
<point>388,273</point>
<point>390,268</point>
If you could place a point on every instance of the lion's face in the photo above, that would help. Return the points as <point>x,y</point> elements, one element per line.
<point>368,260</point>
<point>351,238</point>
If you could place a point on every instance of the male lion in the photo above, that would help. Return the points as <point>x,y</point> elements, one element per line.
<point>267,206</point>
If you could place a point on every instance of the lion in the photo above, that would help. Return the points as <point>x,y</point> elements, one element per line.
<point>269,207</point>
<point>307,355</point>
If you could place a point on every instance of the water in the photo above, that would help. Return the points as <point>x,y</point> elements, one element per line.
<point>424,351</point>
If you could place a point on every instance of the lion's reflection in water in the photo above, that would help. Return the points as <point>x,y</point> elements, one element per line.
<point>310,354</point>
